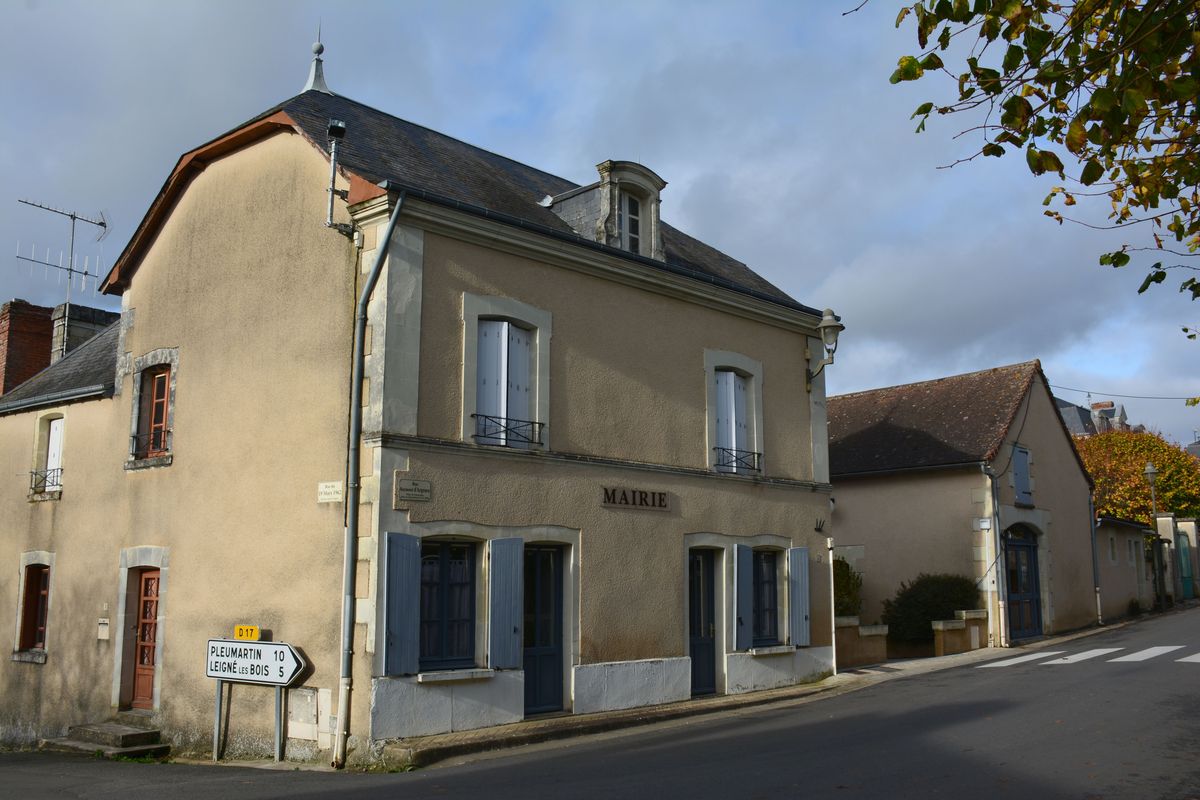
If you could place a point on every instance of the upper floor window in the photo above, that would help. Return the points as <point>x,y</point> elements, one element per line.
<point>46,476</point>
<point>506,381</point>
<point>734,412</point>
<point>35,605</point>
<point>503,403</point>
<point>629,223</point>
<point>153,437</point>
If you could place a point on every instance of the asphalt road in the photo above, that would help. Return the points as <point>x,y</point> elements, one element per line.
<point>1071,722</point>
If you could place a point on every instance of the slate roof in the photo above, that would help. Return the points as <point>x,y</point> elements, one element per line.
<point>379,146</point>
<point>950,421</point>
<point>87,371</point>
<point>1077,418</point>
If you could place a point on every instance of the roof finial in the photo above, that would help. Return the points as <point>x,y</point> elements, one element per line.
<point>316,73</point>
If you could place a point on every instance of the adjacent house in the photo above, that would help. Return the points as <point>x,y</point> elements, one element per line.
<point>973,475</point>
<point>480,442</point>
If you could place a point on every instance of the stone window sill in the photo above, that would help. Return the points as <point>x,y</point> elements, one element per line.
<point>30,656</point>
<point>772,650</point>
<point>41,497</point>
<point>148,463</point>
<point>455,675</point>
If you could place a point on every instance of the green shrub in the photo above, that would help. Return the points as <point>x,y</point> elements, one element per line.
<point>847,589</point>
<point>925,599</point>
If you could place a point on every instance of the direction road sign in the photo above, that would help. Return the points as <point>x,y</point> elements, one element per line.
<point>268,663</point>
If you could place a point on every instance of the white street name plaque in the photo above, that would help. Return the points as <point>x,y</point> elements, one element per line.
<point>268,663</point>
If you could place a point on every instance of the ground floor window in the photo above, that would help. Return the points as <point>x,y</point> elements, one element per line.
<point>34,607</point>
<point>766,598</point>
<point>447,605</point>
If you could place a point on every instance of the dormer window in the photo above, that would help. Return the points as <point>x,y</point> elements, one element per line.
<point>620,210</point>
<point>629,223</point>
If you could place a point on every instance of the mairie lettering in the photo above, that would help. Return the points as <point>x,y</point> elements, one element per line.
<point>636,498</point>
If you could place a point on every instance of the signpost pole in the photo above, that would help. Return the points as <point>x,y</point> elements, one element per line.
<point>278,724</point>
<point>217,724</point>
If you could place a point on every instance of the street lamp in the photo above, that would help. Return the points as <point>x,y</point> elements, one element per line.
<point>829,328</point>
<point>1151,474</point>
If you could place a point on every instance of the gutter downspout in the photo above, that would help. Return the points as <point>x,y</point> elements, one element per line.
<point>1001,584</point>
<point>352,491</point>
<point>1095,559</point>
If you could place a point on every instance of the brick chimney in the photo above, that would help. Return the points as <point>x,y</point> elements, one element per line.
<point>25,334</point>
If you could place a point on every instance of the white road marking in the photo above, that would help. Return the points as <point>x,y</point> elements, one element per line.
<point>1148,653</point>
<point>1084,656</point>
<point>1191,659</point>
<point>1008,662</point>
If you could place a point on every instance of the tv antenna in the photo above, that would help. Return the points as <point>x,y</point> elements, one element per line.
<point>71,269</point>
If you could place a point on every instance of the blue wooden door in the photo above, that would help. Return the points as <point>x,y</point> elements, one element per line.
<point>543,629</point>
<point>702,621</point>
<point>1024,588</point>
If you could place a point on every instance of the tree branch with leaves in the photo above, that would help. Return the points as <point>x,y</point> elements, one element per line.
<point>1101,93</point>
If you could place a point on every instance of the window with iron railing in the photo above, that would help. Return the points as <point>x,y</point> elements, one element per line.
<point>42,481</point>
<point>506,431</point>
<point>504,377</point>
<point>733,460</point>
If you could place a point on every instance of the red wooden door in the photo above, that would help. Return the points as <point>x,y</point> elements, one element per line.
<point>145,649</point>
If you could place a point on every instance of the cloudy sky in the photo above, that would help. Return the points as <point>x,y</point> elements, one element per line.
<point>773,122</point>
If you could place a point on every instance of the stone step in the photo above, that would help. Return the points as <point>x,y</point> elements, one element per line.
<point>69,745</point>
<point>112,734</point>
<point>135,718</point>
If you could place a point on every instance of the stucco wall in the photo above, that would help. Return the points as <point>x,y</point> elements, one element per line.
<point>1122,570</point>
<point>626,365</point>
<point>256,295</point>
<point>907,524</point>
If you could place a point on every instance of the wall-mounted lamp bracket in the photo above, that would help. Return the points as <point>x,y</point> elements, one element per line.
<point>830,327</point>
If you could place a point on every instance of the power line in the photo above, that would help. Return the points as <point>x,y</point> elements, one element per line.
<point>1110,394</point>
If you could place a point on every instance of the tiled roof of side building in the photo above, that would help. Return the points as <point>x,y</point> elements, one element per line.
<point>87,371</point>
<point>379,146</point>
<point>957,420</point>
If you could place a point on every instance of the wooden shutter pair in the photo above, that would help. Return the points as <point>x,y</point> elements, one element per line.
<point>798,601</point>
<point>402,608</point>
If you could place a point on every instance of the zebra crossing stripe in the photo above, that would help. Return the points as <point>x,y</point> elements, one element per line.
<point>1084,656</point>
<point>1148,653</point>
<point>1191,659</point>
<point>1008,662</point>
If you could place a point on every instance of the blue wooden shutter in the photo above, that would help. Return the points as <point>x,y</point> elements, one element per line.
<point>798,605</point>
<point>491,380</point>
<point>1020,468</point>
<point>743,591</point>
<point>402,610</point>
<point>741,439</point>
<point>505,596</point>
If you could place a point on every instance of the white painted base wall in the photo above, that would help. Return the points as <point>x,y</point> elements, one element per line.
<point>401,707</point>
<point>628,684</point>
<point>747,673</point>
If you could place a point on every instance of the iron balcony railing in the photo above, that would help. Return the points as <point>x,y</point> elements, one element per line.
<point>154,443</point>
<point>506,431</point>
<point>731,460</point>
<point>45,480</point>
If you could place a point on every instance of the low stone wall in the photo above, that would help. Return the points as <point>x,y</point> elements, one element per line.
<point>859,645</point>
<point>968,631</point>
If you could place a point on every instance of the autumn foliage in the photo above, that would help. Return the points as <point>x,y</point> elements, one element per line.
<point>1116,460</point>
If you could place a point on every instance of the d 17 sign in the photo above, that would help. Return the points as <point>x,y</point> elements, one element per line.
<point>270,663</point>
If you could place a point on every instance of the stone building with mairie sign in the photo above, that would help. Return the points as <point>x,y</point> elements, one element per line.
<point>588,464</point>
